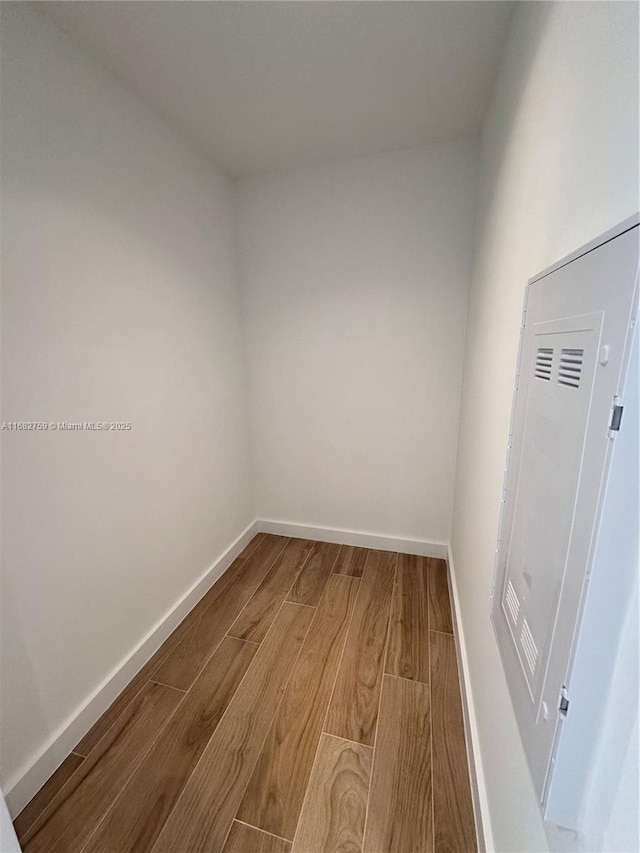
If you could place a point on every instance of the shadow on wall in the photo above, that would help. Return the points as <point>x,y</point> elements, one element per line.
<point>559,167</point>
<point>19,679</point>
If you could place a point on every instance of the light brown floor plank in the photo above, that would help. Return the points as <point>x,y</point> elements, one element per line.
<point>186,659</point>
<point>136,684</point>
<point>248,839</point>
<point>354,706</point>
<point>71,817</point>
<point>256,618</point>
<point>454,826</point>
<point>135,821</point>
<point>333,816</point>
<point>399,812</point>
<point>257,539</point>
<point>312,580</point>
<point>202,817</point>
<point>440,618</point>
<point>37,805</point>
<point>275,793</point>
<point>408,649</point>
<point>350,561</point>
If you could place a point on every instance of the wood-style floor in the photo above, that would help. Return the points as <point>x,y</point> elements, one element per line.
<point>309,702</point>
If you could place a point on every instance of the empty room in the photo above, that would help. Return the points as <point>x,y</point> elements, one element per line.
<point>320,437</point>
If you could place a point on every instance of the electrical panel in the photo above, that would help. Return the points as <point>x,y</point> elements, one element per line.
<point>574,349</point>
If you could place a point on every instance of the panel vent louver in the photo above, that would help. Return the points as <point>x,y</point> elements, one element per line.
<point>529,646</point>
<point>570,368</point>
<point>512,603</point>
<point>544,359</point>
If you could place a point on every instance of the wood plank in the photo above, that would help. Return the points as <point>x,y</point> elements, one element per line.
<point>257,539</point>
<point>37,804</point>
<point>248,839</point>
<point>399,814</point>
<point>354,705</point>
<point>408,649</point>
<point>440,618</point>
<point>136,684</point>
<point>202,817</point>
<point>333,816</point>
<point>350,561</point>
<point>313,578</point>
<point>256,618</point>
<point>273,799</point>
<point>132,690</point>
<point>185,660</point>
<point>139,813</point>
<point>454,826</point>
<point>70,818</point>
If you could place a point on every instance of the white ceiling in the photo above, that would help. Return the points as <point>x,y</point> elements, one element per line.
<point>261,86</point>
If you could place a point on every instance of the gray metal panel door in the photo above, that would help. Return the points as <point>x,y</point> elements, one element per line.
<point>573,354</point>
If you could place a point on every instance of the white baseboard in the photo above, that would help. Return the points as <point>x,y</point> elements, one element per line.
<point>478,787</point>
<point>354,537</point>
<point>31,777</point>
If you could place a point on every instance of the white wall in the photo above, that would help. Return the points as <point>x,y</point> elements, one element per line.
<point>559,165</point>
<point>356,277</point>
<point>120,302</point>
